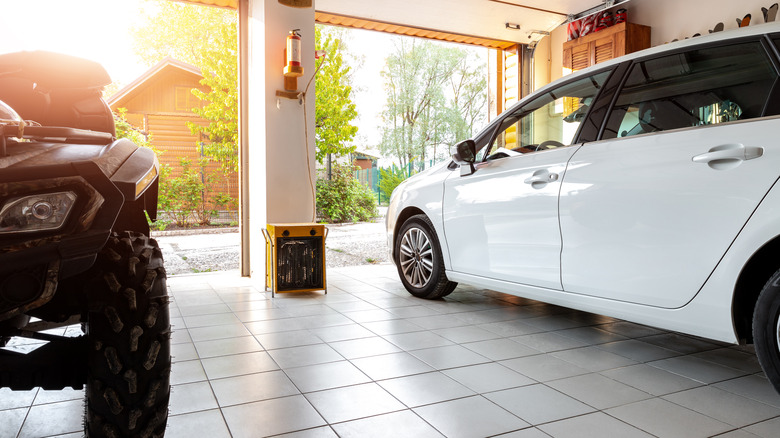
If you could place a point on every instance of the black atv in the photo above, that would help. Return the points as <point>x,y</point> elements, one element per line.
<point>75,248</point>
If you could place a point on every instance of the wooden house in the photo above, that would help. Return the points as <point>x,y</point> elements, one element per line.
<point>160,103</point>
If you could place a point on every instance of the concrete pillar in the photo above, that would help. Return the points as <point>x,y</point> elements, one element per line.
<point>278,161</point>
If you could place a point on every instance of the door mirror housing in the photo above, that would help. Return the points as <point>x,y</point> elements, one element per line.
<point>465,155</point>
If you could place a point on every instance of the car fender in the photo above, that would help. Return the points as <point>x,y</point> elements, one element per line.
<point>423,192</point>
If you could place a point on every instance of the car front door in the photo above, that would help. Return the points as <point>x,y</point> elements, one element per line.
<point>501,222</point>
<point>687,155</point>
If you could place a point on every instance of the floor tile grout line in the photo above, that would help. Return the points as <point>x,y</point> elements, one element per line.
<point>597,345</point>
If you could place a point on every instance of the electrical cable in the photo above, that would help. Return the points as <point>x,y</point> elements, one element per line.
<point>302,97</point>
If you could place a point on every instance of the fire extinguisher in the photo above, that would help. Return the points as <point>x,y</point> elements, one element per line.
<point>293,66</point>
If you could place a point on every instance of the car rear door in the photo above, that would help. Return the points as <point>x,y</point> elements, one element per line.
<point>648,211</point>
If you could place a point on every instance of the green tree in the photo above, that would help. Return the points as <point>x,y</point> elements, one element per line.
<point>335,109</point>
<point>181,31</point>
<point>435,96</point>
<point>220,103</point>
<point>207,38</point>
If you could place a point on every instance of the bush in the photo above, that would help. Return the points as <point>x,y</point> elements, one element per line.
<point>184,195</point>
<point>343,198</point>
<point>389,180</point>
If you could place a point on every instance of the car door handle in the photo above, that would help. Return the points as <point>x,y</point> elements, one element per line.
<point>541,177</point>
<point>728,155</point>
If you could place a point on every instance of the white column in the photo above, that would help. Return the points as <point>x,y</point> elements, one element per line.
<point>279,164</point>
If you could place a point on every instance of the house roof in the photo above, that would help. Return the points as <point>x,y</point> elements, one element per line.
<point>366,154</point>
<point>164,64</point>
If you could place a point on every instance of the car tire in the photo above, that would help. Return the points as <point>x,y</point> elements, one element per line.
<point>129,360</point>
<point>419,260</point>
<point>766,330</point>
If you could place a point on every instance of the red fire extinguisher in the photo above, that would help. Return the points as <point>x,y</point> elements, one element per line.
<point>293,67</point>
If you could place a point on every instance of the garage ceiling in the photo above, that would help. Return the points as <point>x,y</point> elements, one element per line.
<point>480,22</point>
<point>478,18</point>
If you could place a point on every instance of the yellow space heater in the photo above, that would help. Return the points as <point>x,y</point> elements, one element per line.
<point>295,257</point>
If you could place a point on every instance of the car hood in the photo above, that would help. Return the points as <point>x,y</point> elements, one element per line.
<point>435,168</point>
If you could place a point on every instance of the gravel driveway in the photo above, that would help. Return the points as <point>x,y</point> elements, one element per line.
<point>212,250</point>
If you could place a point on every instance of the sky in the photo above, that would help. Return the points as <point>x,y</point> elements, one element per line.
<point>93,29</point>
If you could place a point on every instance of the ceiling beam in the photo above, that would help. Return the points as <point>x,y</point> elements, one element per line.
<point>415,31</point>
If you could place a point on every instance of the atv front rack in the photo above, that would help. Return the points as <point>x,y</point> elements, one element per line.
<point>57,134</point>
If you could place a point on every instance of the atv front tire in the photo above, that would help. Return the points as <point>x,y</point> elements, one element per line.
<point>128,327</point>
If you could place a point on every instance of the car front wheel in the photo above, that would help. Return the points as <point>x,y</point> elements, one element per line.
<point>766,330</point>
<point>419,260</point>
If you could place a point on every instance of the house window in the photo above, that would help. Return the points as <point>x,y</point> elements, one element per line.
<point>185,100</point>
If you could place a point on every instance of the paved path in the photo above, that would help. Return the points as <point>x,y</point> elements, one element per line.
<point>347,245</point>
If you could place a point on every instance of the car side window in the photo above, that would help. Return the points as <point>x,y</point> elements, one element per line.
<point>549,121</point>
<point>695,88</point>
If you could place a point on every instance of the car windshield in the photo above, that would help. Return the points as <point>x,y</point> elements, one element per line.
<point>549,121</point>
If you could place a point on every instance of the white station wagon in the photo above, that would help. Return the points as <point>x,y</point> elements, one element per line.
<point>644,188</point>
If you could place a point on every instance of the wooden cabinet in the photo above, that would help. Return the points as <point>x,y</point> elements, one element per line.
<point>611,42</point>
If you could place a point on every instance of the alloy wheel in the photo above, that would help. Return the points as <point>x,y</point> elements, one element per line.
<point>416,257</point>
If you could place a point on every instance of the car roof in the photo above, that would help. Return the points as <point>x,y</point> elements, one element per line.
<point>759,29</point>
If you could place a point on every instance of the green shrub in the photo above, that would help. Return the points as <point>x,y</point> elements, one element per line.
<point>343,198</point>
<point>185,194</point>
<point>389,180</point>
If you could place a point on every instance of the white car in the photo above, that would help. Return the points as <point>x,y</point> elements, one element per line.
<point>644,188</point>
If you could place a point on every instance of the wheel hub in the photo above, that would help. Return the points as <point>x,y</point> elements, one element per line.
<point>416,257</point>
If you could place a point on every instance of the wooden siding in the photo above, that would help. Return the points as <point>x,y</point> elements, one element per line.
<point>161,107</point>
<point>171,135</point>
<point>159,94</point>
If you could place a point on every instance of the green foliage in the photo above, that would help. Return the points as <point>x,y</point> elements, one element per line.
<point>335,110</point>
<point>436,95</point>
<point>207,38</point>
<point>343,198</point>
<point>126,130</point>
<point>220,103</point>
<point>389,180</point>
<point>182,31</point>
<point>186,192</point>
<point>184,198</point>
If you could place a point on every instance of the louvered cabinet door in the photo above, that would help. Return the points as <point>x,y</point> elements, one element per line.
<point>607,44</point>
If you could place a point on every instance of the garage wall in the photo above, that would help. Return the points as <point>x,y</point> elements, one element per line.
<point>669,19</point>
<point>672,19</point>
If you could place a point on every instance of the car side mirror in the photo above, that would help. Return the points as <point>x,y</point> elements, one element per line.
<point>465,155</point>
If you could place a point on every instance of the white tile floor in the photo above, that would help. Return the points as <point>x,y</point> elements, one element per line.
<point>368,360</point>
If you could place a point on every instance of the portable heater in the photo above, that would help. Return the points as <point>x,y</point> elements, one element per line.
<point>295,257</point>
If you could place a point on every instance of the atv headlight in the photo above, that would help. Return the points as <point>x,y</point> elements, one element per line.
<point>41,212</point>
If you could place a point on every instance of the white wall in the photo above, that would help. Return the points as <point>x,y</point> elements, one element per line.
<point>675,19</point>
<point>277,151</point>
<point>668,19</point>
